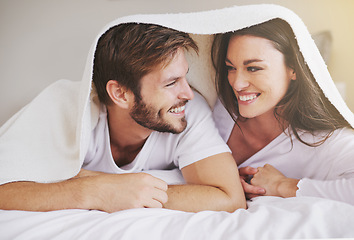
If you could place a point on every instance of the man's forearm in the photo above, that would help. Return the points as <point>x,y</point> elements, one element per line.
<point>30,196</point>
<point>88,190</point>
<point>213,183</point>
<point>195,198</point>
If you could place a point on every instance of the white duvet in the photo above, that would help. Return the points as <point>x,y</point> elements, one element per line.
<point>69,121</point>
<point>266,218</point>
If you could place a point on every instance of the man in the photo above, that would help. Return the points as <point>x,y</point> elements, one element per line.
<point>147,121</point>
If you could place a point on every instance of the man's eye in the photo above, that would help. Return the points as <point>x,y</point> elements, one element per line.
<point>171,84</point>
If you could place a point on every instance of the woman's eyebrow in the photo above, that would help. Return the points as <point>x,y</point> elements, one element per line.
<point>246,62</point>
<point>228,61</point>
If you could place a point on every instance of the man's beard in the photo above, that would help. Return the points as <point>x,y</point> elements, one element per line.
<point>147,117</point>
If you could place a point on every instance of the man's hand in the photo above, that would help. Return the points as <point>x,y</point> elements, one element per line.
<point>251,191</point>
<point>274,182</point>
<point>116,192</point>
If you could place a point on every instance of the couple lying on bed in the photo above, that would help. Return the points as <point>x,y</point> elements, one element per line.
<point>286,138</point>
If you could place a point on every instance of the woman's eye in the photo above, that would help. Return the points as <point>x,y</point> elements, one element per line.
<point>230,68</point>
<point>253,69</point>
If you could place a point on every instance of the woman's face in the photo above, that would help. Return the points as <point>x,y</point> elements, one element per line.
<point>257,73</point>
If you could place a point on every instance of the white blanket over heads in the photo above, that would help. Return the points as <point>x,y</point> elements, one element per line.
<point>48,139</point>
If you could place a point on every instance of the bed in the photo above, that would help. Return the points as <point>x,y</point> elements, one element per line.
<point>265,217</point>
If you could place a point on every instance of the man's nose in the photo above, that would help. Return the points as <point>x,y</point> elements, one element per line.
<point>186,91</point>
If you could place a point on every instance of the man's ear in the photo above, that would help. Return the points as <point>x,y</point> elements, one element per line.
<point>119,94</point>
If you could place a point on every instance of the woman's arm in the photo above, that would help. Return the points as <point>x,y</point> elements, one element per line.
<point>339,189</point>
<point>276,184</point>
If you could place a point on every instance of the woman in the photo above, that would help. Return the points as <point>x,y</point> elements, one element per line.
<point>282,130</point>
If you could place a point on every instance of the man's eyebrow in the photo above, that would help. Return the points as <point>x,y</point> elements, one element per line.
<point>173,78</point>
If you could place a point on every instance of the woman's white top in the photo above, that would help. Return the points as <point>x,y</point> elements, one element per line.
<point>325,171</point>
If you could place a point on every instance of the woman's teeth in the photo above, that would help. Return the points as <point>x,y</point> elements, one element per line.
<point>245,98</point>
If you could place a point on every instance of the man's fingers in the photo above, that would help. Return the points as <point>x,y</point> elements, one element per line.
<point>156,194</point>
<point>153,203</point>
<point>160,196</point>
<point>160,184</point>
<point>155,199</point>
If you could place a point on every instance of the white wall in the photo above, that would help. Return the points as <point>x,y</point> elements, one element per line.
<point>42,41</point>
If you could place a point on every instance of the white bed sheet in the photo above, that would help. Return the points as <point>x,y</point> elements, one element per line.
<point>266,218</point>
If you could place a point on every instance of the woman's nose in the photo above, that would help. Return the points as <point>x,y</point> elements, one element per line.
<point>238,81</point>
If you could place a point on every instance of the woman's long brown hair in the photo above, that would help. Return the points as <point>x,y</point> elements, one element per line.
<point>304,107</point>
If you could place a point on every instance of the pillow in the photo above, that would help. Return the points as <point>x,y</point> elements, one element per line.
<point>323,41</point>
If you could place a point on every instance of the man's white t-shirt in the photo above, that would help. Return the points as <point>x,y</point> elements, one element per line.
<point>325,171</point>
<point>161,151</point>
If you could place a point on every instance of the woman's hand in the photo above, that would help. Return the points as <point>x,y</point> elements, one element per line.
<point>274,182</point>
<point>246,173</point>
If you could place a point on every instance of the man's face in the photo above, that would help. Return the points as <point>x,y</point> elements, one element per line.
<point>164,92</point>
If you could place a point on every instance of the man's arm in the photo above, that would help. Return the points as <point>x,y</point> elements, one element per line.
<point>212,184</point>
<point>99,191</point>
